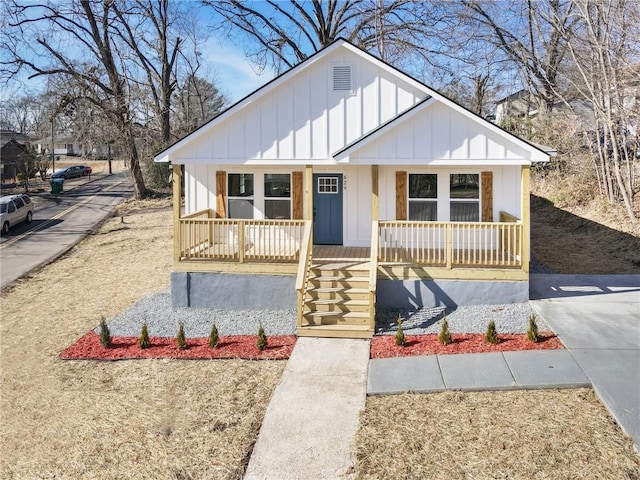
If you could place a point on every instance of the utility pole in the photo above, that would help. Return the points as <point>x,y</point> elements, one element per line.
<point>53,148</point>
<point>109,155</point>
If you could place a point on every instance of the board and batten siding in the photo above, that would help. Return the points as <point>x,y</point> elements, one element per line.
<point>439,135</point>
<point>304,119</point>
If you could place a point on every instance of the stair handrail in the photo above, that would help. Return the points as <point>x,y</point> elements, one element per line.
<point>304,265</point>
<point>373,272</point>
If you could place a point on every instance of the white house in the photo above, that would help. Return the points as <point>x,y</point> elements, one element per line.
<point>345,185</point>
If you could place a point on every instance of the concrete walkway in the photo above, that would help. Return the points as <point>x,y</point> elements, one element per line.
<point>475,372</point>
<point>597,317</point>
<point>312,419</point>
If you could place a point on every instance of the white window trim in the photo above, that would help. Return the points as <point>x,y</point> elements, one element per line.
<point>465,200</point>
<point>265,198</point>
<point>423,200</point>
<point>252,197</point>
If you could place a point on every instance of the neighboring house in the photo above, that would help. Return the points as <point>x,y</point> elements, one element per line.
<point>14,152</point>
<point>344,186</point>
<point>64,145</point>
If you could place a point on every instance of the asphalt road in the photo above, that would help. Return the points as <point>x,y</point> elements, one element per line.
<point>59,222</point>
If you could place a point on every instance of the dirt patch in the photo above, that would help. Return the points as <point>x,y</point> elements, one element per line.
<point>385,346</point>
<point>242,347</point>
<point>565,242</point>
<point>521,434</point>
<point>128,419</point>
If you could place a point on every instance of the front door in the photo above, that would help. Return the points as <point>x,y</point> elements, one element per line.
<point>327,209</point>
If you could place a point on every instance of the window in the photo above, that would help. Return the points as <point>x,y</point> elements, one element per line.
<point>277,195</point>
<point>327,184</point>
<point>19,203</point>
<point>423,197</point>
<point>464,194</point>
<point>240,193</point>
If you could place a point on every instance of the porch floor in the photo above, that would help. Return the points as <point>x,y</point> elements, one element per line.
<point>341,257</point>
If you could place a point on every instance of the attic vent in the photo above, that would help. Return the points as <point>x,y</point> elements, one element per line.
<point>342,78</point>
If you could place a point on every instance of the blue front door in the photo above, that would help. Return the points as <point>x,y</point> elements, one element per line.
<point>327,209</point>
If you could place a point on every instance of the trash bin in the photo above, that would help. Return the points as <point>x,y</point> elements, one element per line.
<point>56,185</point>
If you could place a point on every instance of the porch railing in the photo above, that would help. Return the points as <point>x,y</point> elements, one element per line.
<point>304,267</point>
<point>235,240</point>
<point>451,244</point>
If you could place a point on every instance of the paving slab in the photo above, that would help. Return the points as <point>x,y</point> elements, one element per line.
<point>312,419</point>
<point>546,369</point>
<point>403,374</point>
<point>615,375</point>
<point>476,371</point>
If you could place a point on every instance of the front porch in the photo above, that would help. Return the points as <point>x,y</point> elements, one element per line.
<point>337,286</point>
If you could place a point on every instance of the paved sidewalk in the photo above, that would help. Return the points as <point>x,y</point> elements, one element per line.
<point>312,419</point>
<point>474,372</point>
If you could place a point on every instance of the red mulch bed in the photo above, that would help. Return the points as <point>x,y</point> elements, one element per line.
<point>384,346</point>
<point>126,348</point>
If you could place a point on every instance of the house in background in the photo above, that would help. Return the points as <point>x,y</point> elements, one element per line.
<point>344,186</point>
<point>64,145</point>
<point>14,153</point>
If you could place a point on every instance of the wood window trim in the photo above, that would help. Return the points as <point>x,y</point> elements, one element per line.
<point>486,196</point>
<point>297,194</point>
<point>221,194</point>
<point>401,195</point>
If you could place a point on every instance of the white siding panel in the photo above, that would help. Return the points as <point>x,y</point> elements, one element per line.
<point>252,142</point>
<point>284,104</point>
<point>357,206</point>
<point>459,128</point>
<point>353,117</point>
<point>201,187</point>
<point>318,97</point>
<point>404,141</point>
<point>189,189</point>
<point>336,124</point>
<point>302,117</point>
<point>236,138</point>
<point>388,105</point>
<point>268,129</point>
<point>477,145</point>
<point>211,181</point>
<point>495,147</point>
<point>440,132</point>
<point>219,144</point>
<point>370,98</point>
<point>406,99</point>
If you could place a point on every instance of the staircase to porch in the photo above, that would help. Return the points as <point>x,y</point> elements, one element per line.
<point>337,300</point>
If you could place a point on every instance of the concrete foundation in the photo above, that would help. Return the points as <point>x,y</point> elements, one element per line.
<point>449,293</point>
<point>233,291</point>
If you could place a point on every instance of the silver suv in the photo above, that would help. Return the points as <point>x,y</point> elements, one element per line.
<point>13,210</point>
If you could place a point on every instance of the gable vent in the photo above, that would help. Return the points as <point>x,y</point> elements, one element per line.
<point>342,78</point>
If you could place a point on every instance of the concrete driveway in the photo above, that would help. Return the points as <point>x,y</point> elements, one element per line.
<point>597,317</point>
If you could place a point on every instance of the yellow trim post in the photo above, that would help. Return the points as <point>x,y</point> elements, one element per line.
<point>375,208</point>
<point>177,200</point>
<point>525,216</point>
<point>308,192</point>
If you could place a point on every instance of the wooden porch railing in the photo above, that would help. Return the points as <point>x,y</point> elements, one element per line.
<point>451,244</point>
<point>304,266</point>
<point>235,240</point>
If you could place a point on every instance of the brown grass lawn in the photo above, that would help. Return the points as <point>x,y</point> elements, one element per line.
<point>168,419</point>
<point>145,419</point>
<point>541,434</point>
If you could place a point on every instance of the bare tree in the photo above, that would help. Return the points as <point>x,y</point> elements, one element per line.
<point>533,34</point>
<point>603,54</point>
<point>283,34</point>
<point>87,59</point>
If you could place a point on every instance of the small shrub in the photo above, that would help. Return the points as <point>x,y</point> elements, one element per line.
<point>532,332</point>
<point>213,337</point>
<point>143,339</point>
<point>181,342</point>
<point>401,341</point>
<point>262,339</point>
<point>445,336</point>
<point>105,335</point>
<point>492,335</point>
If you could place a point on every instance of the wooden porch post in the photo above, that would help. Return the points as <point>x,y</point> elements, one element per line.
<point>308,192</point>
<point>375,209</point>
<point>525,216</point>
<point>177,199</point>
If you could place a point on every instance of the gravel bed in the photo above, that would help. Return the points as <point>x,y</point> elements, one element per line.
<point>162,319</point>
<point>509,318</point>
